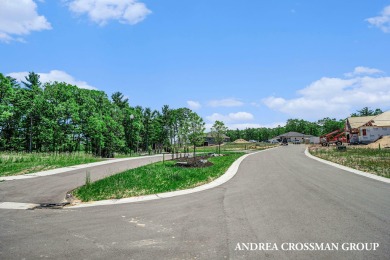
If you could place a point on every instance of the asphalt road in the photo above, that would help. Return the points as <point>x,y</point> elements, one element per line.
<point>278,196</point>
<point>53,188</point>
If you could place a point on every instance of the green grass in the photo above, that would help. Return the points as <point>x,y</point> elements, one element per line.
<point>154,178</point>
<point>24,163</point>
<point>235,147</point>
<point>376,161</point>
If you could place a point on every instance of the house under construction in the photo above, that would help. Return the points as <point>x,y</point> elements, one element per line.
<point>367,129</point>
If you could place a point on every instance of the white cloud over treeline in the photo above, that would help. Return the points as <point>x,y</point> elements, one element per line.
<point>194,105</point>
<point>52,76</point>
<point>228,102</point>
<point>336,97</point>
<point>231,117</point>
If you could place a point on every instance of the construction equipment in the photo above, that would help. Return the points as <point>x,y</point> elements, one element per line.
<point>336,137</point>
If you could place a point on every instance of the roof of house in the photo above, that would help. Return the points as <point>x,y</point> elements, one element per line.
<point>382,119</point>
<point>378,120</point>
<point>358,121</point>
<point>294,134</point>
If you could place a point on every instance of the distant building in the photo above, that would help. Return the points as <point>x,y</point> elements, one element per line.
<point>296,137</point>
<point>210,140</point>
<point>367,129</point>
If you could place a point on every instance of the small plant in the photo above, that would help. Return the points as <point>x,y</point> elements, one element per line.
<point>87,178</point>
<point>175,176</point>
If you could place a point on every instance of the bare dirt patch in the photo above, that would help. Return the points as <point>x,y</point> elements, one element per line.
<point>384,142</point>
<point>241,141</point>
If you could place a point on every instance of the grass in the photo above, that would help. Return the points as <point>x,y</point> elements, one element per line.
<point>375,161</point>
<point>154,178</point>
<point>24,163</point>
<point>235,147</point>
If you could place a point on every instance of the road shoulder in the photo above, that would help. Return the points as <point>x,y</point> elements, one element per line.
<point>345,168</point>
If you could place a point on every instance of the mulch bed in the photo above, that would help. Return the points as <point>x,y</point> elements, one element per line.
<point>197,163</point>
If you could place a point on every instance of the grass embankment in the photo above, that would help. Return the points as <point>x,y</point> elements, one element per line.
<point>376,161</point>
<point>154,178</point>
<point>23,163</point>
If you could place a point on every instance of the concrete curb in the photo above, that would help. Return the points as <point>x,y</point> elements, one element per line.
<point>70,168</point>
<point>230,173</point>
<point>345,168</point>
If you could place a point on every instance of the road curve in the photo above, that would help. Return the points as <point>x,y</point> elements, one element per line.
<point>279,196</point>
<point>53,188</point>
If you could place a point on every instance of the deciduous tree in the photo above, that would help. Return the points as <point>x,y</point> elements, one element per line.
<point>218,132</point>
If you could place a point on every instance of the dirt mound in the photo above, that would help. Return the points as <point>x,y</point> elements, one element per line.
<point>241,141</point>
<point>384,142</point>
<point>198,162</point>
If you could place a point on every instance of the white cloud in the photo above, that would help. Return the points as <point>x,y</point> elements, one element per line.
<point>334,97</point>
<point>53,75</point>
<point>216,116</point>
<point>194,105</point>
<point>232,117</point>
<point>19,18</point>
<point>255,104</point>
<point>242,126</point>
<point>101,11</point>
<point>382,21</point>
<point>363,71</point>
<point>241,116</point>
<point>248,125</point>
<point>229,102</point>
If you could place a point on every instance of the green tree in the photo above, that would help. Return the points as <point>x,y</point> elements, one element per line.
<point>119,100</point>
<point>7,112</point>
<point>328,125</point>
<point>59,117</point>
<point>148,128</point>
<point>366,111</point>
<point>183,124</point>
<point>196,130</point>
<point>218,132</point>
<point>33,97</point>
<point>166,123</point>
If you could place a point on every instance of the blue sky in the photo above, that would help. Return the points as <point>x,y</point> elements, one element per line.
<point>249,63</point>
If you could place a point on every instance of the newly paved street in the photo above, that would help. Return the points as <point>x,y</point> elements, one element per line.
<point>53,189</point>
<point>278,196</point>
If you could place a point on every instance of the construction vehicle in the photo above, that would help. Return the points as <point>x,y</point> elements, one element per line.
<point>336,137</point>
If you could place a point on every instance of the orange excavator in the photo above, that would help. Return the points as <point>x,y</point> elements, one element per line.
<point>336,137</point>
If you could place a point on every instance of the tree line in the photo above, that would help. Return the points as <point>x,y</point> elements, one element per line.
<point>318,128</point>
<point>59,117</point>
